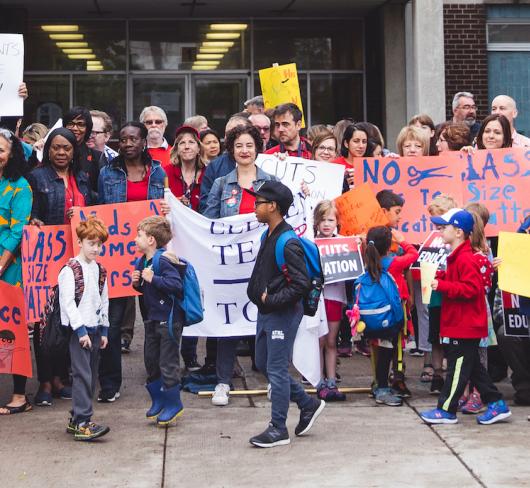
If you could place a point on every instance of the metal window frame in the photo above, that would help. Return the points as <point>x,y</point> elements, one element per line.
<point>506,46</point>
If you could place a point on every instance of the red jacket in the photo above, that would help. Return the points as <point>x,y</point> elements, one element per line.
<point>160,154</point>
<point>400,264</point>
<point>303,151</point>
<point>463,314</point>
<point>178,186</point>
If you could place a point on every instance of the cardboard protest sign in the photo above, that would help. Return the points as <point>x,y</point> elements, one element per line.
<point>323,179</point>
<point>358,210</point>
<point>418,180</point>
<point>45,250</point>
<point>15,354</point>
<point>500,180</point>
<point>279,84</point>
<point>433,250</point>
<point>514,272</point>
<point>11,74</point>
<point>119,252</point>
<point>515,323</point>
<point>340,258</point>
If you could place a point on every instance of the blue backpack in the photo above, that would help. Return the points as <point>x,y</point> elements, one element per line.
<point>313,266</point>
<point>191,301</point>
<point>379,304</point>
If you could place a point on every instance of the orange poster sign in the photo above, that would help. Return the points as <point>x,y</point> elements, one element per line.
<point>15,354</point>
<point>119,252</point>
<point>45,250</point>
<point>358,210</point>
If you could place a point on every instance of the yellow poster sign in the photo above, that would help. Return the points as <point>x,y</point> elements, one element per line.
<point>279,84</point>
<point>514,272</point>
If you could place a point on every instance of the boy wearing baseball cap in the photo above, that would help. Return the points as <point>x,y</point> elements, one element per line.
<point>463,323</point>
<point>278,296</point>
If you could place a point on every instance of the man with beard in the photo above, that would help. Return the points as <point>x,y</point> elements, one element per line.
<point>155,121</point>
<point>465,111</point>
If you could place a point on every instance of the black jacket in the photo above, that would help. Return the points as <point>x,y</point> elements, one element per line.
<point>283,290</point>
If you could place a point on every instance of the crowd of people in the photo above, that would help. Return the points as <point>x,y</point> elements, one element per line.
<point>45,175</point>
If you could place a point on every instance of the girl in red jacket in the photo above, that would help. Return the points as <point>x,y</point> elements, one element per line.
<point>463,323</point>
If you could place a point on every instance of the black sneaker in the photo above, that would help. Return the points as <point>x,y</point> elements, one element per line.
<point>88,431</point>
<point>125,346</point>
<point>271,437</point>
<point>308,417</point>
<point>193,365</point>
<point>400,389</point>
<point>437,384</point>
<point>108,396</point>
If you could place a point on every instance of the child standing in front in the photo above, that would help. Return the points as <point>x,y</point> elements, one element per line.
<point>463,323</point>
<point>325,220</point>
<point>84,304</point>
<point>163,318</point>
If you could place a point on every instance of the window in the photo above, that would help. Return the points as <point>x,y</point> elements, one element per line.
<point>49,99</point>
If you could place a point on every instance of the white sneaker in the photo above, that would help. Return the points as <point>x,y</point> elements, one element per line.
<point>220,395</point>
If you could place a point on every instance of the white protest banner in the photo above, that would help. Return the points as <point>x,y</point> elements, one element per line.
<point>223,253</point>
<point>11,74</point>
<point>323,179</point>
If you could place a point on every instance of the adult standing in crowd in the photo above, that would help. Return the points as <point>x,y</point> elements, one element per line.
<point>288,123</point>
<point>465,111</point>
<point>132,176</point>
<point>15,211</point>
<point>261,122</point>
<point>494,133</point>
<point>325,147</point>
<point>452,137</point>
<point>354,145</point>
<point>505,105</point>
<point>210,145</point>
<point>155,121</point>
<point>34,132</point>
<point>227,197</point>
<point>198,122</point>
<point>255,105</point>
<point>412,142</point>
<point>424,122</point>
<point>101,133</point>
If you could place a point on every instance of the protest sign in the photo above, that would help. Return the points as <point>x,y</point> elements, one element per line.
<point>223,253</point>
<point>358,210</point>
<point>500,180</point>
<point>340,258</point>
<point>514,272</point>
<point>119,252</point>
<point>515,323</point>
<point>11,74</point>
<point>433,250</point>
<point>323,179</point>
<point>279,84</point>
<point>45,250</point>
<point>15,354</point>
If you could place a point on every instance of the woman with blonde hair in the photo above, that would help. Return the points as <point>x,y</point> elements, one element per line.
<point>412,141</point>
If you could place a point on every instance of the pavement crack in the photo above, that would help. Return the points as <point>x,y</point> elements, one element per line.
<point>453,452</point>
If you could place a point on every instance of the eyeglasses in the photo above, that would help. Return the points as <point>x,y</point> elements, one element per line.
<point>468,107</point>
<point>259,202</point>
<point>262,129</point>
<point>330,149</point>
<point>153,122</point>
<point>95,133</point>
<point>80,124</point>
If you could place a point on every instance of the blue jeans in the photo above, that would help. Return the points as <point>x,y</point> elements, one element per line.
<point>274,347</point>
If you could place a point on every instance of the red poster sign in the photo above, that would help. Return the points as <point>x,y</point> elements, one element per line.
<point>45,250</point>
<point>119,252</point>
<point>15,354</point>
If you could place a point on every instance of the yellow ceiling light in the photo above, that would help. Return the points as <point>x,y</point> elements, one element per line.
<point>213,50</point>
<point>220,36</point>
<point>95,61</point>
<point>77,51</point>
<point>66,37</point>
<point>210,56</point>
<point>207,63</point>
<point>94,68</point>
<point>203,67</point>
<point>218,44</point>
<point>82,56</point>
<point>63,45</point>
<point>59,28</point>
<point>228,27</point>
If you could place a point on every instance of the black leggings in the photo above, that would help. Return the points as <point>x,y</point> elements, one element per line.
<point>19,384</point>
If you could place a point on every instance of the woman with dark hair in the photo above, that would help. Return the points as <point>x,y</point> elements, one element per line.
<point>15,211</point>
<point>131,176</point>
<point>354,145</point>
<point>227,198</point>
<point>452,137</point>
<point>186,168</point>
<point>494,133</point>
<point>79,121</point>
<point>211,145</point>
<point>59,185</point>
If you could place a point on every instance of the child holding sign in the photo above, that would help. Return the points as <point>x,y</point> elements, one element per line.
<point>325,219</point>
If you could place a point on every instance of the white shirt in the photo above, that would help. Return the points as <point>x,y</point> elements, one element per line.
<point>518,140</point>
<point>93,309</point>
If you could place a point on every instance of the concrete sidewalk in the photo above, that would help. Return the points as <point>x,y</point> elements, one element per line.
<point>354,443</point>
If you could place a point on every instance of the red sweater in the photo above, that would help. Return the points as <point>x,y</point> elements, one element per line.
<point>400,264</point>
<point>160,154</point>
<point>463,314</point>
<point>178,186</point>
<point>303,151</point>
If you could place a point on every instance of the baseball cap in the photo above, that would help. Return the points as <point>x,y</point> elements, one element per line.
<point>457,218</point>
<point>274,191</point>
<point>187,128</point>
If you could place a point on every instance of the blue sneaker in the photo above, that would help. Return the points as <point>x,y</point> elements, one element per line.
<point>438,416</point>
<point>496,411</point>
<point>43,399</point>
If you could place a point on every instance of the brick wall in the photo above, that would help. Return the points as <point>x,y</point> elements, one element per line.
<point>466,57</point>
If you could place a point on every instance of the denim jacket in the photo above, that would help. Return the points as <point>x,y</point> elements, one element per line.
<point>224,189</point>
<point>49,194</point>
<point>112,182</point>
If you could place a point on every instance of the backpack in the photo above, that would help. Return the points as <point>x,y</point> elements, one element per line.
<point>191,301</point>
<point>313,266</point>
<point>379,304</point>
<point>53,335</point>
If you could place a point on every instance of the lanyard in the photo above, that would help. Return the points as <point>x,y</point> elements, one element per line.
<point>299,150</point>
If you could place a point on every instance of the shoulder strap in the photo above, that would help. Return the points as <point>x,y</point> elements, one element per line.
<point>102,277</point>
<point>79,281</point>
<point>156,260</point>
<point>280,246</point>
